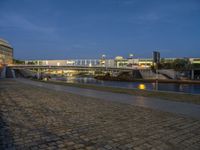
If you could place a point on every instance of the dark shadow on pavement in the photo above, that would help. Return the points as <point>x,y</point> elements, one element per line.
<point>6,137</point>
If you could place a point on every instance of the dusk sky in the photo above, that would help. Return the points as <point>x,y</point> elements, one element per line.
<point>61,29</point>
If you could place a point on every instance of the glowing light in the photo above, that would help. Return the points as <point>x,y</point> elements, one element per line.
<point>142,86</point>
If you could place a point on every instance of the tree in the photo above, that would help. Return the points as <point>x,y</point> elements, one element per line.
<point>181,64</point>
<point>195,66</point>
<point>15,61</point>
<point>165,64</point>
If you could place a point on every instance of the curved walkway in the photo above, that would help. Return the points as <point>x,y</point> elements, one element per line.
<point>190,110</point>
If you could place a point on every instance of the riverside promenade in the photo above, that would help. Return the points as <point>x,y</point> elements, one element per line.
<point>33,116</point>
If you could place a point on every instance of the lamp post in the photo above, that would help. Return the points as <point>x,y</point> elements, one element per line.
<point>156,60</point>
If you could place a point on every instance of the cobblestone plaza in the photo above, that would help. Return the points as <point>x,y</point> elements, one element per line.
<point>39,118</point>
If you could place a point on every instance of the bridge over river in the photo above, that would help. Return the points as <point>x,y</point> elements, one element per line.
<point>71,70</point>
<point>72,67</point>
<point>145,73</point>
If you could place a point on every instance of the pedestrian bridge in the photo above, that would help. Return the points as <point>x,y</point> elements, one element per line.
<point>74,67</point>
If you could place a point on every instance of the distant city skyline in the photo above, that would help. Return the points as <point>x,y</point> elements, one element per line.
<point>50,29</point>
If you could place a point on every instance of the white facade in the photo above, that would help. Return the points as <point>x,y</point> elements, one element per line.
<point>117,62</point>
<point>109,63</point>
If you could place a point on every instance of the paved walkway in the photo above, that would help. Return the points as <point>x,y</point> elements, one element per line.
<point>186,109</point>
<point>34,117</point>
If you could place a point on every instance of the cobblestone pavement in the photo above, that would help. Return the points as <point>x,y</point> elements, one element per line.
<point>38,118</point>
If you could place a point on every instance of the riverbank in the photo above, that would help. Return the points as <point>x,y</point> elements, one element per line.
<point>171,96</point>
<point>33,117</point>
<point>109,78</point>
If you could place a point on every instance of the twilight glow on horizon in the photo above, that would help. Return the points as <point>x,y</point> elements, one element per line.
<point>51,29</point>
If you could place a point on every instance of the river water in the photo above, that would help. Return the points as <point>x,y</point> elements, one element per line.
<point>174,87</point>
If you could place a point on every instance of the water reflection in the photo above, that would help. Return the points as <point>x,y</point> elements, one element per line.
<point>181,87</point>
<point>142,86</point>
<point>154,86</point>
<point>186,88</point>
<point>71,80</point>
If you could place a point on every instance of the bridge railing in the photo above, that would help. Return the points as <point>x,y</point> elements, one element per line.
<point>76,67</point>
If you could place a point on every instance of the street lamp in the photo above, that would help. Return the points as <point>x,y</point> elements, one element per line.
<point>156,60</point>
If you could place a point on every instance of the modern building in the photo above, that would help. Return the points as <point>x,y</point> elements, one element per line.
<point>6,53</point>
<point>146,62</point>
<point>49,62</point>
<point>194,60</point>
<point>133,62</point>
<point>66,62</point>
<point>119,62</point>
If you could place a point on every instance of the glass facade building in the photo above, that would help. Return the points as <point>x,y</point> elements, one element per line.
<point>6,52</point>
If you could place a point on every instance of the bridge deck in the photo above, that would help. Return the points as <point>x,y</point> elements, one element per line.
<point>71,67</point>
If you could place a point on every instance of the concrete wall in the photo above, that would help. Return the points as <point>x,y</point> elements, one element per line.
<point>149,74</point>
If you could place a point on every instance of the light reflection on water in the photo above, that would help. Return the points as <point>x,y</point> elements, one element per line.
<point>142,86</point>
<point>186,88</point>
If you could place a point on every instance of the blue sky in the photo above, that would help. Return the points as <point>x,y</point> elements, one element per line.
<point>59,29</point>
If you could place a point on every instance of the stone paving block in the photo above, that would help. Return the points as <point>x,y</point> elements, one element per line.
<point>37,118</point>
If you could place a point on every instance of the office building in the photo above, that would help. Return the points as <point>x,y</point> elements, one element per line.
<point>6,53</point>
